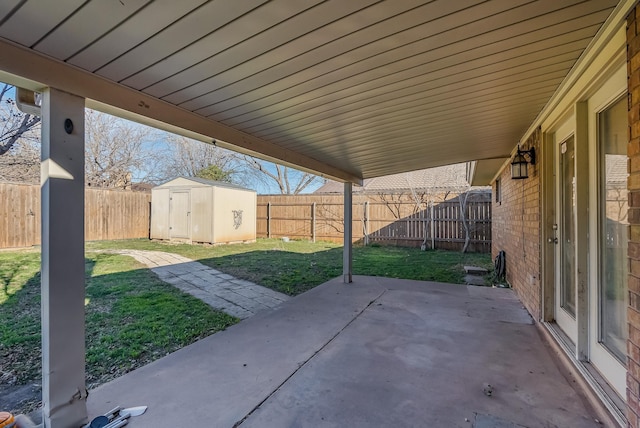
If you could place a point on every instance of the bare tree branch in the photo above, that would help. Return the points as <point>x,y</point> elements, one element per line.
<point>14,124</point>
<point>115,150</point>
<point>22,163</point>
<point>288,180</point>
<point>4,90</point>
<point>393,202</point>
<point>8,140</point>
<point>190,157</point>
<point>305,182</point>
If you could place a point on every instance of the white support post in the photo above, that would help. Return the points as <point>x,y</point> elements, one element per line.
<point>348,233</point>
<point>63,321</point>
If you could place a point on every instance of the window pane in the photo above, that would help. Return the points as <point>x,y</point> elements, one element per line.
<point>614,230</point>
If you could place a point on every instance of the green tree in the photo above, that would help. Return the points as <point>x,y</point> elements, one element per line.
<point>215,173</point>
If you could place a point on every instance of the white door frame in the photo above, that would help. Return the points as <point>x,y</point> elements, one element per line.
<point>584,332</point>
<point>564,320</point>
<point>608,365</point>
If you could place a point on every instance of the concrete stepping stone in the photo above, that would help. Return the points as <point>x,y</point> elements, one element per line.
<point>221,291</point>
<point>475,270</point>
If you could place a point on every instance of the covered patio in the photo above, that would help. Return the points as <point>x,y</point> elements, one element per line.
<point>377,352</point>
<point>352,90</point>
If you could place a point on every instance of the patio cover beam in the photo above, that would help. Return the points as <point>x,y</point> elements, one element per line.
<point>63,321</point>
<point>28,69</point>
<point>348,234</point>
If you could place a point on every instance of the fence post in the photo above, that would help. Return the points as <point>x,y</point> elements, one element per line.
<point>366,223</point>
<point>268,219</point>
<point>313,222</point>
<point>433,229</point>
<point>407,231</point>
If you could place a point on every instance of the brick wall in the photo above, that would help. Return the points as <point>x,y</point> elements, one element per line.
<point>516,230</point>
<point>633,312</point>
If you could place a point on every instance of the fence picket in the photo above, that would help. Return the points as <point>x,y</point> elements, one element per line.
<point>109,214</point>
<point>397,222</point>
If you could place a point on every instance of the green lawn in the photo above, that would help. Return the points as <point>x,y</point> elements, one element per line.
<point>296,266</point>
<point>134,318</point>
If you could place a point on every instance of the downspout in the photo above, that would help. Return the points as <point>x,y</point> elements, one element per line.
<point>28,102</point>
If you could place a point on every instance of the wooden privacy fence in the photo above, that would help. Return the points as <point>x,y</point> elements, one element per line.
<point>390,219</point>
<point>109,214</point>
<point>397,221</point>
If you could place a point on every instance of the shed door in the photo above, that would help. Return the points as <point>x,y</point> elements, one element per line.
<point>179,215</point>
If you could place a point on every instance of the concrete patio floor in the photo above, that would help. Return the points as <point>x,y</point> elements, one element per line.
<point>376,353</point>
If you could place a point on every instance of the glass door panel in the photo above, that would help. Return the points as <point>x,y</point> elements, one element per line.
<point>613,204</point>
<point>608,290</point>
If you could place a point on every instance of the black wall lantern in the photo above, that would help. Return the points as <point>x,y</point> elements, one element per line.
<point>520,161</point>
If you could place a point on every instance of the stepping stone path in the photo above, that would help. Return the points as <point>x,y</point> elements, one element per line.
<point>224,292</point>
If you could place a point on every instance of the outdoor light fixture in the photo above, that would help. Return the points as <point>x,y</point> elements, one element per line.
<point>520,161</point>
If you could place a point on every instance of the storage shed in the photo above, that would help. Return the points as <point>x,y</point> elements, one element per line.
<point>197,210</point>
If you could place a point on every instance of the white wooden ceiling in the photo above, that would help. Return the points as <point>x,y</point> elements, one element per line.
<point>368,87</point>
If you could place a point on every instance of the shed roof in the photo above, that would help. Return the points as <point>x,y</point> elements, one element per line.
<point>202,182</point>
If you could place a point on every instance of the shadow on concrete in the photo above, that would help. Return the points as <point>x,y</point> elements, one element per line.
<point>376,353</point>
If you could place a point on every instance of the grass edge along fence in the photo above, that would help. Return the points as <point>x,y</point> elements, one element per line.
<point>385,219</point>
<point>399,219</point>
